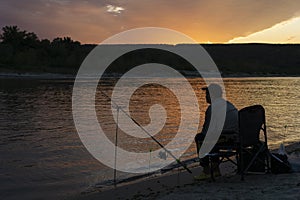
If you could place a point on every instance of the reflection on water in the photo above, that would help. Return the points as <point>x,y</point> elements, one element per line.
<point>41,154</point>
<point>279,96</point>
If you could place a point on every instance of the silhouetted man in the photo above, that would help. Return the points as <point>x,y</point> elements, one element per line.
<point>215,99</point>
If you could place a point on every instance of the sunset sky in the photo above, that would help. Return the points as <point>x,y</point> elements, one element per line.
<point>209,21</point>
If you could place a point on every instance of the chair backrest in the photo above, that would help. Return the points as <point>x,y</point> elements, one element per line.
<point>251,122</point>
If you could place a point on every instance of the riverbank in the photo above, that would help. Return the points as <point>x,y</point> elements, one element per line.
<point>188,74</point>
<point>32,74</point>
<point>181,185</point>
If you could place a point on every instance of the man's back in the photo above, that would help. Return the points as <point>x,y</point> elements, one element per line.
<point>231,119</point>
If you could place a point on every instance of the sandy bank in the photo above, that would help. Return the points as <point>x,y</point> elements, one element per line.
<point>180,184</point>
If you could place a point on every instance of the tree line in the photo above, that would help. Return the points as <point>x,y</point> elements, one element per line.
<point>24,51</point>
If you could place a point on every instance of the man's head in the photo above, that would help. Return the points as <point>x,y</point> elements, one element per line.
<point>213,91</point>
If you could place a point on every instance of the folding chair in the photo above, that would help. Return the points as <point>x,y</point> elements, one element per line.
<point>226,148</point>
<point>254,152</point>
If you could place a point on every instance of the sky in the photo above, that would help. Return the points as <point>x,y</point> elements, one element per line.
<point>206,21</point>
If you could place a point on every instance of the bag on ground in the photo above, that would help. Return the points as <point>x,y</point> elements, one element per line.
<point>280,163</point>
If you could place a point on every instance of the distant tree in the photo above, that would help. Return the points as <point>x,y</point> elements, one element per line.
<point>31,40</point>
<point>45,43</point>
<point>23,50</point>
<point>66,42</point>
<point>14,36</point>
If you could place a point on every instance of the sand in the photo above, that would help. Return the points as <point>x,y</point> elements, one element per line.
<point>267,186</point>
<point>179,184</point>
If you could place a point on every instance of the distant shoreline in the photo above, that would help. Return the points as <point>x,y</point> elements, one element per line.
<point>232,60</point>
<point>4,75</point>
<point>188,74</point>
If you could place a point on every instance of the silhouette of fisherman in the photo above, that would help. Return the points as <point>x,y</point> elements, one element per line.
<point>214,97</point>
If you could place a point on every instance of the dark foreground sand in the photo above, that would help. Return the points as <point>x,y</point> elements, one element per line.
<point>181,185</point>
<point>264,186</point>
<point>268,186</point>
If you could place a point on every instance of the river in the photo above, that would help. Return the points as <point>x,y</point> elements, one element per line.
<point>43,157</point>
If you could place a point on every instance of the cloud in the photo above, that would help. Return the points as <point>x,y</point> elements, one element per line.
<point>284,32</point>
<point>114,9</point>
<point>91,21</point>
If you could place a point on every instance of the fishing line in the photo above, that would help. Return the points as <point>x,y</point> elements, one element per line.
<point>153,138</point>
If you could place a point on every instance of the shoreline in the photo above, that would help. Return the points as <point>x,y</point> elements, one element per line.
<point>15,75</point>
<point>179,184</point>
<point>59,76</point>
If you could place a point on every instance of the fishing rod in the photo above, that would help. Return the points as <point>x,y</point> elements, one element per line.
<point>153,138</point>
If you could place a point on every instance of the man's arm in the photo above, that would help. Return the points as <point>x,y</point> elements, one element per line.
<point>207,120</point>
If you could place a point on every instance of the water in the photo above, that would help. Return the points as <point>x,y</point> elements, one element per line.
<point>43,157</point>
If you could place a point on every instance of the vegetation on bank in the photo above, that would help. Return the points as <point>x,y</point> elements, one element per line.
<point>256,59</point>
<point>23,51</point>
